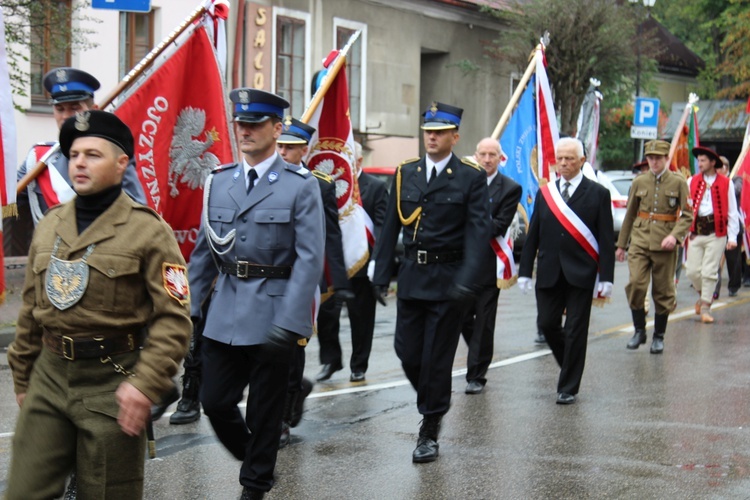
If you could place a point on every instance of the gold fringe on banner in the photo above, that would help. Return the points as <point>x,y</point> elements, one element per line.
<point>506,284</point>
<point>10,210</point>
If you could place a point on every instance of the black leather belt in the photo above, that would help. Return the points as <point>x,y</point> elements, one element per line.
<point>97,346</point>
<point>244,269</point>
<point>427,257</point>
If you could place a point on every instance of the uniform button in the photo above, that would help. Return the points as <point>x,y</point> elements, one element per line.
<point>110,272</point>
<point>243,238</point>
<point>424,201</point>
<point>244,219</point>
<point>271,217</point>
<point>218,216</point>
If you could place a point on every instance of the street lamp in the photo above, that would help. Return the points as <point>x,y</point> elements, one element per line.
<point>648,4</point>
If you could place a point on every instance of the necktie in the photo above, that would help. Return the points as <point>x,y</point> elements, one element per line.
<point>565,193</point>
<point>433,174</point>
<point>251,176</point>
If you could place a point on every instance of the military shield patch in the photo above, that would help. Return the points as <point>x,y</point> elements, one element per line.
<point>174,277</point>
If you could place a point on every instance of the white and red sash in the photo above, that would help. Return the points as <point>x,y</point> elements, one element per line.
<point>507,274</point>
<point>54,188</point>
<point>576,227</point>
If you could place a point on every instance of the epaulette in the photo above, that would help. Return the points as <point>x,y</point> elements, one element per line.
<point>410,160</point>
<point>226,166</point>
<point>471,164</point>
<point>299,170</point>
<point>322,176</point>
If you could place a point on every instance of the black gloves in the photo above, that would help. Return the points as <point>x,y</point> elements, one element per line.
<point>342,295</point>
<point>279,340</point>
<point>380,292</point>
<point>461,294</point>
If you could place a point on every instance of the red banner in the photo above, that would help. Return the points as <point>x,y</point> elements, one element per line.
<point>179,120</point>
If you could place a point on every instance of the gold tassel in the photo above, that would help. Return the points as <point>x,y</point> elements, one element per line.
<point>10,210</point>
<point>506,284</point>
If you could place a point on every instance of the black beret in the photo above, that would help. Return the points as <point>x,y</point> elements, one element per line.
<point>96,124</point>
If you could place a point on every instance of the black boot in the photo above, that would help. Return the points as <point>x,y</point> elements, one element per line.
<point>660,326</point>
<point>639,322</point>
<point>299,403</point>
<point>250,494</point>
<point>427,445</point>
<point>286,433</point>
<point>157,410</point>
<point>189,407</point>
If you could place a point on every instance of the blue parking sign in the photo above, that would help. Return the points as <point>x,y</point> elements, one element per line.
<point>124,5</point>
<point>646,112</point>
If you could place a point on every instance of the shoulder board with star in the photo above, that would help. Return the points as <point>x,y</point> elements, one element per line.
<point>471,164</point>
<point>222,168</point>
<point>410,160</point>
<point>322,176</point>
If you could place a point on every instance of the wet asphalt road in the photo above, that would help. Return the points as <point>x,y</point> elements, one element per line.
<point>644,426</point>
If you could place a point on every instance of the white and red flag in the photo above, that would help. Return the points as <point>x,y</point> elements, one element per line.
<point>179,120</point>
<point>332,151</point>
<point>8,160</point>
<point>547,132</point>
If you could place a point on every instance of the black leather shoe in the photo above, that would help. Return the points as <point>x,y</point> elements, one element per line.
<point>286,435</point>
<point>474,387</point>
<point>328,370</point>
<point>639,337</point>
<point>565,399</point>
<point>540,339</point>
<point>250,494</point>
<point>357,377</point>
<point>189,407</point>
<point>426,451</point>
<point>299,404</point>
<point>158,410</point>
<point>732,293</point>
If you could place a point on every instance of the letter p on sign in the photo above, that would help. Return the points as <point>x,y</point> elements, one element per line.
<point>646,112</point>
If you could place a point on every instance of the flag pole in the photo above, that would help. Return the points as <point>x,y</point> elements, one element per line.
<point>124,83</point>
<point>335,67</point>
<point>503,122</point>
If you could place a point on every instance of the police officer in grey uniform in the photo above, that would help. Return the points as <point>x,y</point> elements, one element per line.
<point>71,91</point>
<point>442,205</point>
<point>262,239</point>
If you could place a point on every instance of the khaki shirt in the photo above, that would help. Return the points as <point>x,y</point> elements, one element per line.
<point>127,290</point>
<point>666,195</point>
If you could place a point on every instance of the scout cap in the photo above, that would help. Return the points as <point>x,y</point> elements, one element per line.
<point>96,123</point>
<point>441,116</point>
<point>657,148</point>
<point>70,84</point>
<point>256,106</point>
<point>295,132</point>
<point>710,152</point>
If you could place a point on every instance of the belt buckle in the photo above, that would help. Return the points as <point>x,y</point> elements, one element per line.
<point>242,268</point>
<point>651,216</point>
<point>421,257</point>
<point>67,342</point>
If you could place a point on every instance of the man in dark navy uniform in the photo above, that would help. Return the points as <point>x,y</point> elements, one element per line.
<point>442,205</point>
<point>334,285</point>
<point>261,239</point>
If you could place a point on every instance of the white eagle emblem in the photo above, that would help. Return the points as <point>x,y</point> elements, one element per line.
<point>329,167</point>
<point>175,282</point>
<point>190,161</point>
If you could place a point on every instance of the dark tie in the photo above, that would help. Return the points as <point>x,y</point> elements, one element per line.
<point>565,193</point>
<point>251,176</point>
<point>433,174</point>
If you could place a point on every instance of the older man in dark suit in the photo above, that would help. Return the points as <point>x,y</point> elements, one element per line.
<point>479,326</point>
<point>572,231</point>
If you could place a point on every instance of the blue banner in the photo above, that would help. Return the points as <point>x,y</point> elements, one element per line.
<point>519,149</point>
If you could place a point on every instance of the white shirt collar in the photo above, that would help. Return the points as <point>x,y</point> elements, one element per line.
<point>491,178</point>
<point>574,182</point>
<point>440,166</point>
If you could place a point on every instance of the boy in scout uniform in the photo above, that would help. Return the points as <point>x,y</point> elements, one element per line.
<point>657,220</point>
<point>442,205</point>
<point>104,324</point>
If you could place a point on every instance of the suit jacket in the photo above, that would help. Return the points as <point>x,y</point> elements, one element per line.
<point>505,193</point>
<point>374,195</point>
<point>455,217</point>
<point>130,182</point>
<point>279,223</point>
<point>559,252</point>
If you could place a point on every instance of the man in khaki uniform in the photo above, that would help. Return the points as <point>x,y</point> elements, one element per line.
<point>657,220</point>
<point>104,324</point>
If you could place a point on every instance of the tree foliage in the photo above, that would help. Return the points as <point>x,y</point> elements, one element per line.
<point>588,38</point>
<point>52,18</point>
